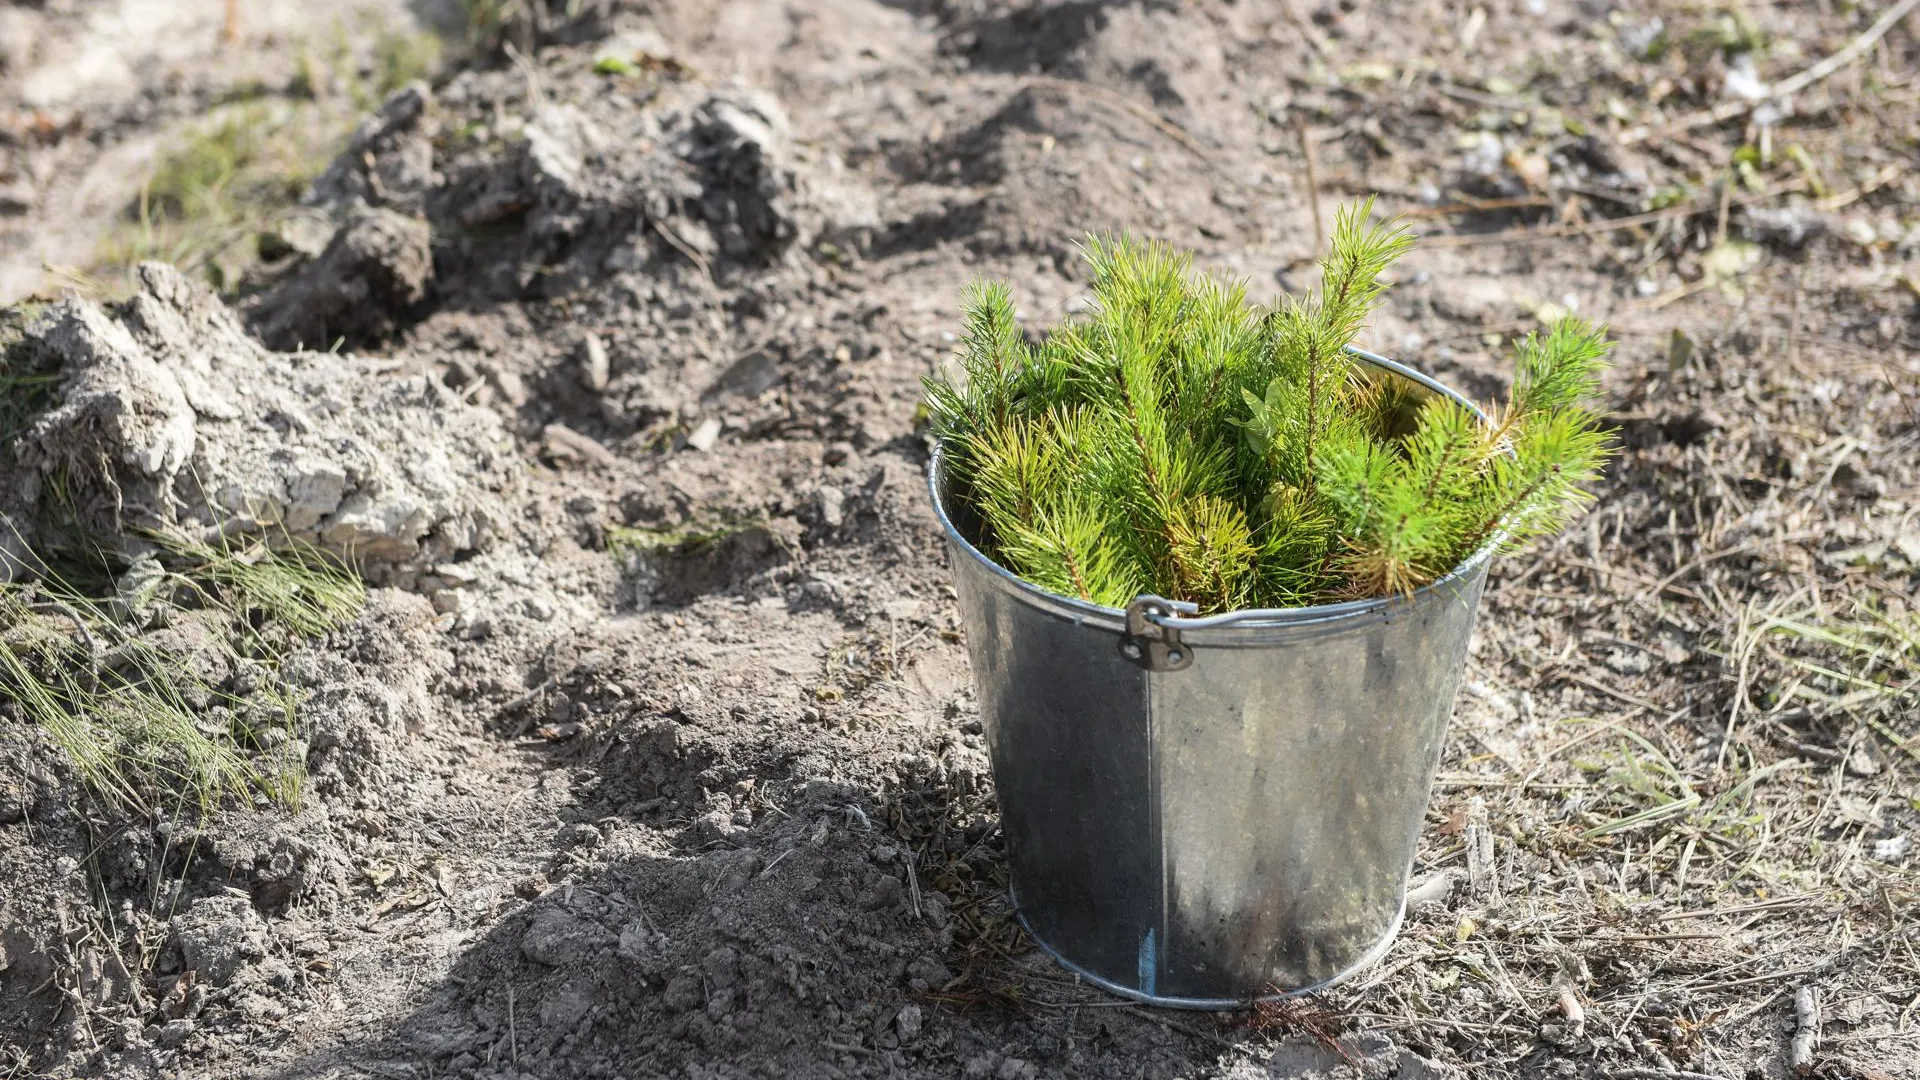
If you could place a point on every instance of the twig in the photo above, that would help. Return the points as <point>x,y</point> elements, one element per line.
<point>1747,640</point>
<point>1549,232</point>
<point>1726,204</point>
<point>913,882</point>
<point>1708,913</point>
<point>1694,564</point>
<point>513,1029</point>
<point>1806,1031</point>
<point>1887,175</point>
<point>1642,1072</point>
<point>1595,684</point>
<point>1794,84</point>
<point>1785,88</point>
<point>1313,183</point>
<point>535,96</point>
<point>94,651</point>
<point>1473,206</point>
<point>544,685</point>
<point>1160,123</point>
<point>1569,1001</point>
<point>684,248</point>
<point>1790,973</point>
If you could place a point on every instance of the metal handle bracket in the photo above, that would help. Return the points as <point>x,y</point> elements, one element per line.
<point>1151,643</point>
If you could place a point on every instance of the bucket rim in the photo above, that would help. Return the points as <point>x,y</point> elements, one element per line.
<point>1081,611</point>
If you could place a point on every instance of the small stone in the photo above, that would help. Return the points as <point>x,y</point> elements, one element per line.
<point>908,1022</point>
<point>832,505</point>
<point>174,1032</point>
<point>712,827</point>
<point>705,435</point>
<point>750,376</point>
<point>1892,849</point>
<point>595,370</point>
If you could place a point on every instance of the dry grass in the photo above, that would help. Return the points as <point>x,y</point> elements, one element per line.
<point>189,722</point>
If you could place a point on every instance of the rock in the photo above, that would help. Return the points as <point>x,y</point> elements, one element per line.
<point>124,429</point>
<point>748,377</point>
<point>220,935</point>
<point>375,268</point>
<point>683,993</point>
<point>721,966</point>
<point>1415,1067</point>
<point>831,503</point>
<point>580,835</point>
<point>712,827</point>
<point>705,435</point>
<point>303,233</point>
<point>558,938</point>
<point>594,368</point>
<point>643,947</point>
<point>885,893</point>
<point>907,1023</point>
<point>173,1033</point>
<point>558,139</point>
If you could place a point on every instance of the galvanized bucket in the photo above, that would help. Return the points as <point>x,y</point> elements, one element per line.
<point>1202,812</point>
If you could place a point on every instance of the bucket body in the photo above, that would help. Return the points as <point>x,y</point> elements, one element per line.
<point>1235,826</point>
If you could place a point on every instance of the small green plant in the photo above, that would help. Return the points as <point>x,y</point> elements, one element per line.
<point>1179,441</point>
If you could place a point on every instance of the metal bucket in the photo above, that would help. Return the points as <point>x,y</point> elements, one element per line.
<point>1202,812</point>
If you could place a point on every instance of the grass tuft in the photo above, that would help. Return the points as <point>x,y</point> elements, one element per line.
<point>147,726</point>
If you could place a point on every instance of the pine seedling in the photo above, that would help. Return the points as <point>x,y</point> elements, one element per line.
<point>1177,440</point>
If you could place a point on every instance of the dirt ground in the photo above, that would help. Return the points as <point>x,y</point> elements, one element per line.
<point>654,751</point>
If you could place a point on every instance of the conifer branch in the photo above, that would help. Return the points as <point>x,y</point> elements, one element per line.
<point>1175,440</point>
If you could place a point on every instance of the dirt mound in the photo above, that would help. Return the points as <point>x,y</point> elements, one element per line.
<point>172,417</point>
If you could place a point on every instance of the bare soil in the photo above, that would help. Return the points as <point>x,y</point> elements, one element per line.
<point>655,752</point>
